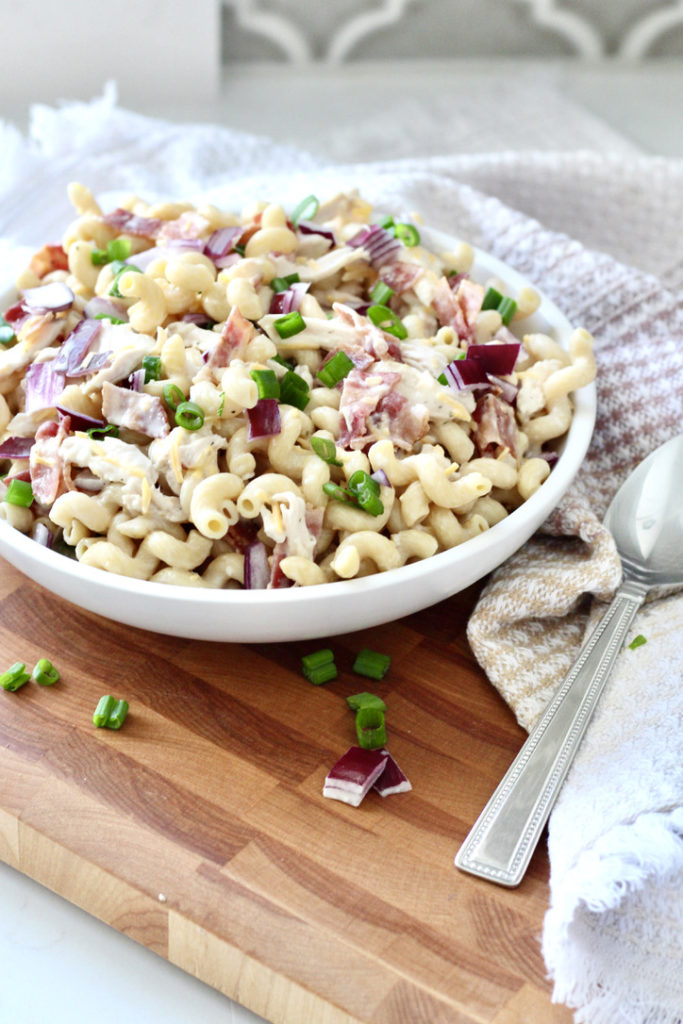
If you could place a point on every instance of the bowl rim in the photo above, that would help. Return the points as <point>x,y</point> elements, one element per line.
<point>572,451</point>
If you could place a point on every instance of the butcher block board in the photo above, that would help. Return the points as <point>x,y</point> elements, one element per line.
<point>200,829</point>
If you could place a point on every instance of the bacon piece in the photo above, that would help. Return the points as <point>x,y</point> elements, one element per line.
<point>188,225</point>
<point>234,339</point>
<point>45,464</point>
<point>47,259</point>
<point>400,276</point>
<point>458,309</point>
<point>135,410</point>
<point>127,223</point>
<point>362,392</point>
<point>495,428</point>
<point>370,337</point>
<point>397,416</point>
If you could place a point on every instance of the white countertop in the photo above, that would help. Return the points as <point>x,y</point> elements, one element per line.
<point>58,963</point>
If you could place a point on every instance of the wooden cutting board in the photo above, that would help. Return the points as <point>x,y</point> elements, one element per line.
<point>200,829</point>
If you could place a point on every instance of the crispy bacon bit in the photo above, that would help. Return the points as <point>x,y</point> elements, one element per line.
<point>236,335</point>
<point>278,580</point>
<point>47,259</point>
<point>135,410</point>
<point>362,392</point>
<point>16,315</point>
<point>404,423</point>
<point>400,276</point>
<point>370,337</point>
<point>45,464</point>
<point>188,225</point>
<point>494,426</point>
<point>127,223</point>
<point>459,309</point>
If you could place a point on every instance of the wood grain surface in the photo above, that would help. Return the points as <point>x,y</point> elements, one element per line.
<point>200,829</point>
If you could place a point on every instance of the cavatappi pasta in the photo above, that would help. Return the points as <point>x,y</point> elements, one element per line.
<point>272,398</point>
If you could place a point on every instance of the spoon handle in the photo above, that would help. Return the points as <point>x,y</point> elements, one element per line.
<point>500,845</point>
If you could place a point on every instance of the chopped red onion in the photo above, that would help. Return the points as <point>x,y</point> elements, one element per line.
<point>289,300</point>
<point>380,245</point>
<point>16,447</point>
<point>309,227</point>
<point>127,223</point>
<point>136,380</point>
<point>550,457</point>
<point>94,363</point>
<point>354,774</point>
<point>101,306</point>
<point>495,358</point>
<point>41,535</point>
<point>48,298</point>
<point>79,420</point>
<point>76,345</point>
<point>264,419</point>
<point>392,779</point>
<point>256,567</point>
<point>466,375</point>
<point>508,391</point>
<point>381,477</point>
<point>228,261</point>
<point>44,384</point>
<point>221,242</point>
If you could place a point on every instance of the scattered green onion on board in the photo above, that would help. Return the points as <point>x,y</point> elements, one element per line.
<point>371,728</point>
<point>365,700</point>
<point>637,641</point>
<point>44,673</point>
<point>319,666</point>
<point>15,676</point>
<point>371,664</point>
<point>110,713</point>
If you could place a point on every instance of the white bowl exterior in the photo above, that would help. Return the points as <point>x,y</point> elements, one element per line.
<point>332,608</point>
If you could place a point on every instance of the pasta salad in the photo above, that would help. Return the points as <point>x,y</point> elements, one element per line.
<point>269,399</point>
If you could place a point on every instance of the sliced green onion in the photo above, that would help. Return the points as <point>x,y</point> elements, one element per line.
<point>323,674</point>
<point>294,390</point>
<point>335,369</point>
<point>15,676</point>
<point>189,415</point>
<point>507,308</point>
<point>365,700</point>
<point>637,641</point>
<point>117,249</point>
<point>221,404</point>
<point>381,293</point>
<point>97,433</point>
<point>360,480</point>
<point>319,667</point>
<point>408,234</point>
<point>239,248</point>
<point>371,664</point>
<point>121,268</point>
<point>266,383</point>
<point>173,396</point>
<point>492,299</point>
<point>44,673</point>
<point>7,333</point>
<point>326,450</point>
<point>106,316</point>
<point>371,728</point>
<point>281,284</point>
<point>287,363</point>
<point>306,209</point>
<point>110,713</point>
<point>19,492</point>
<point>387,223</point>
<point>338,493</point>
<point>442,379</point>
<point>388,321</point>
<point>290,324</point>
<point>152,367</point>
<point>369,501</point>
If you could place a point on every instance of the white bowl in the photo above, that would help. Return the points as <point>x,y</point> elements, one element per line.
<point>260,616</point>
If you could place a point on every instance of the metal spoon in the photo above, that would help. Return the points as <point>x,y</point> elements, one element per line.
<point>646,521</point>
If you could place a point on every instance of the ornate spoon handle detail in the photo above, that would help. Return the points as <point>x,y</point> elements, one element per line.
<point>502,840</point>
